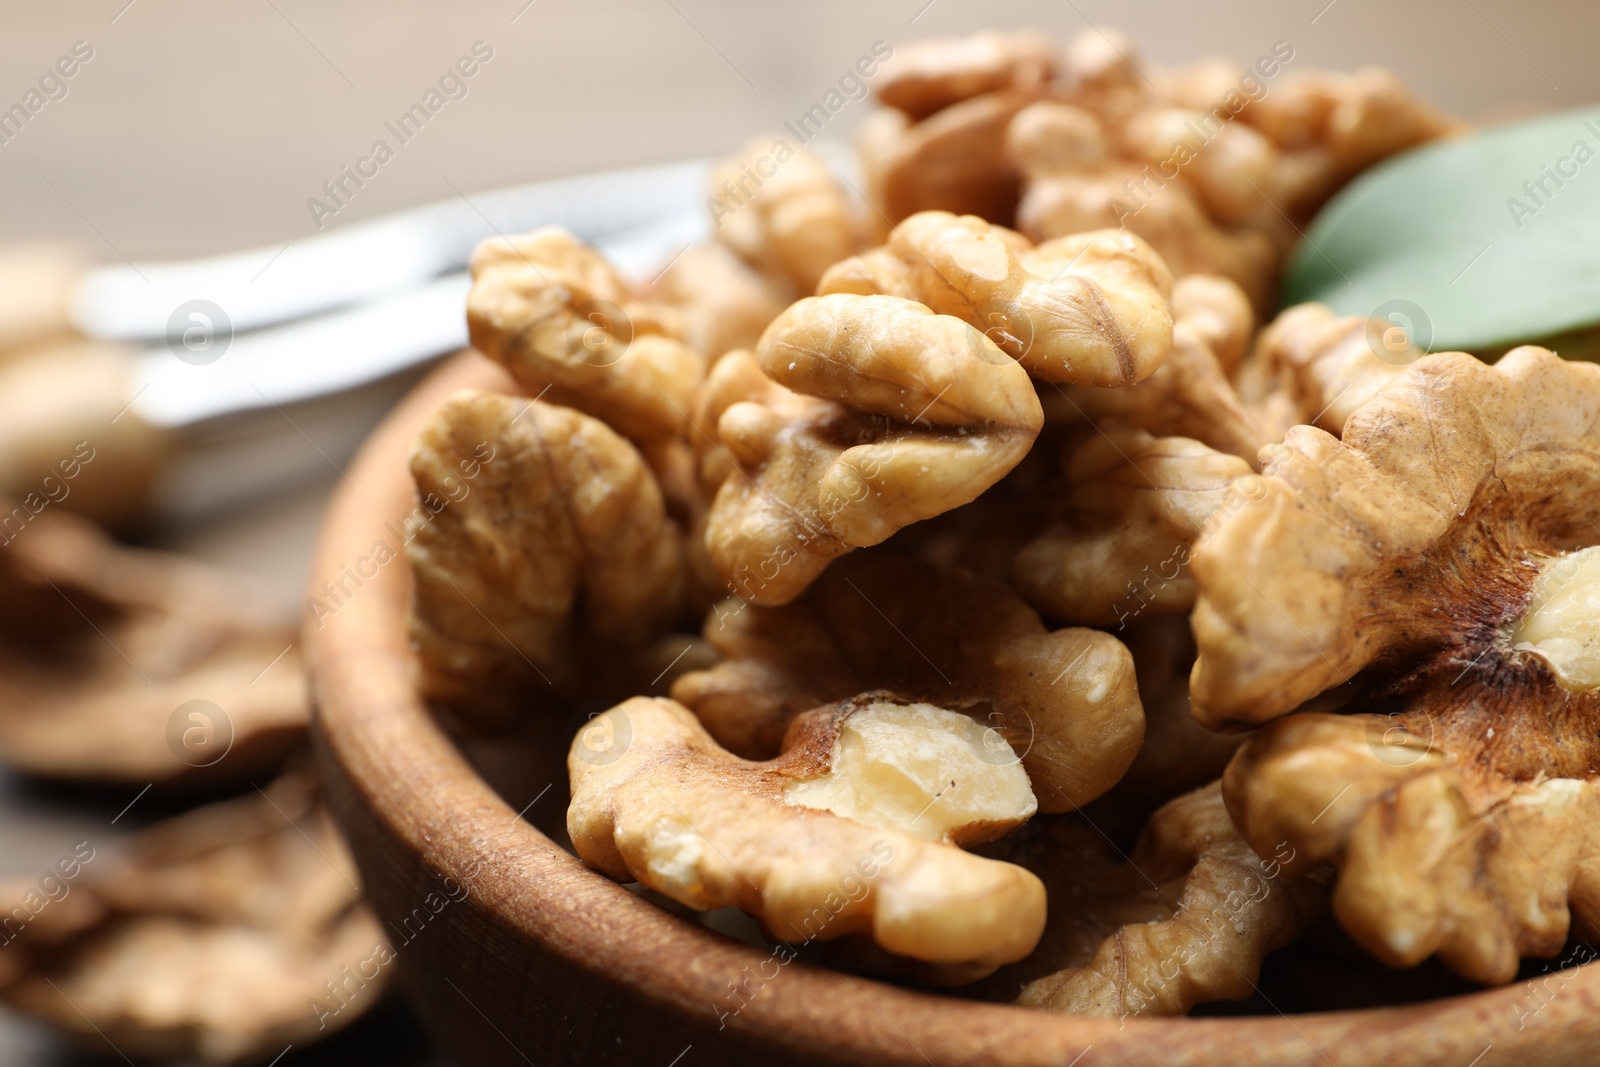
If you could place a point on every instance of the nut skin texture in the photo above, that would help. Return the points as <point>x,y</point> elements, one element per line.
<point>1456,796</point>
<point>905,414</point>
<point>560,540</point>
<point>678,813</point>
<point>1312,367</point>
<point>1066,700</point>
<point>1091,309</point>
<point>1189,395</point>
<point>1185,919</point>
<point>1134,507</point>
<point>566,326</point>
<point>928,76</point>
<point>790,224</point>
<point>208,939</point>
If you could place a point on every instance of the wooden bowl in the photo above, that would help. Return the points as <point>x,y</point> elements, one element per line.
<point>516,953</point>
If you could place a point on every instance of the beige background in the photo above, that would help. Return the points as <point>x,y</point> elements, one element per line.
<point>203,127</point>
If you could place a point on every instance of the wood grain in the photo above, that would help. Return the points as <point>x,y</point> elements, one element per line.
<point>541,960</point>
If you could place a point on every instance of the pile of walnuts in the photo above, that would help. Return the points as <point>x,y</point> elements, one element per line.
<point>952,576</point>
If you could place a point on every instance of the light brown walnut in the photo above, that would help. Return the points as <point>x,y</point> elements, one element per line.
<point>1185,919</point>
<point>1091,309</point>
<point>1064,701</point>
<point>954,160</point>
<point>220,935</point>
<point>781,210</point>
<point>1077,182</point>
<point>567,327</point>
<point>1133,508</point>
<point>1189,395</point>
<point>1310,366</point>
<point>543,533</point>
<point>722,303</point>
<point>928,76</point>
<point>894,414</point>
<point>852,831</point>
<point>1433,574</point>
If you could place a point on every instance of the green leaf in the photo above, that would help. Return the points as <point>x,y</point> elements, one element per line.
<point>1449,241</point>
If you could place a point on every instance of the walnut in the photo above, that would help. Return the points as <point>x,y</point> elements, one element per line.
<point>781,210</point>
<point>1076,182</point>
<point>1102,74</point>
<point>954,160</point>
<point>928,76</point>
<point>221,935</point>
<point>1313,367</point>
<point>1433,559</point>
<point>1189,395</point>
<point>125,665</point>
<point>545,533</point>
<point>1065,700</point>
<point>851,831</point>
<point>1185,919</point>
<point>566,326</point>
<point>1089,309</point>
<point>897,414</point>
<point>722,303</point>
<point>1134,506</point>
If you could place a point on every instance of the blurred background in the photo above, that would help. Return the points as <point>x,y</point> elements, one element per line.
<point>199,128</point>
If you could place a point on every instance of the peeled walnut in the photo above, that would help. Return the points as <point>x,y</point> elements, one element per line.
<point>781,210</point>
<point>1439,560</point>
<point>851,831</point>
<point>566,326</point>
<point>1185,919</point>
<point>1076,182</point>
<point>1134,507</point>
<point>544,536</point>
<point>1189,395</point>
<point>896,415</point>
<point>953,160</point>
<point>1314,367</point>
<point>1237,172</point>
<point>222,935</point>
<point>722,303</point>
<point>927,76</point>
<point>1063,702</point>
<point>123,665</point>
<point>1091,309</point>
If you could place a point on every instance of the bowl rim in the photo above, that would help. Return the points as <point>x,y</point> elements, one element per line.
<point>394,763</point>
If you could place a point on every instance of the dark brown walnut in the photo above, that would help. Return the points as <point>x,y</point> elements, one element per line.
<point>928,76</point>
<point>222,935</point>
<point>566,325</point>
<point>849,833</point>
<point>1189,395</point>
<point>124,665</point>
<point>1062,701</point>
<point>1312,367</point>
<point>1185,919</point>
<point>1132,509</point>
<point>1091,309</point>
<point>1439,559</point>
<point>889,414</point>
<point>544,543</point>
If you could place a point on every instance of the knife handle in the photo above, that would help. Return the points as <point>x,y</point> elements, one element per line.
<point>36,286</point>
